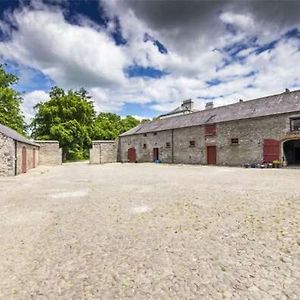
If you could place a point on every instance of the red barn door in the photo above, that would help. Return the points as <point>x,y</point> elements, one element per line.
<point>271,150</point>
<point>24,160</point>
<point>211,155</point>
<point>131,155</point>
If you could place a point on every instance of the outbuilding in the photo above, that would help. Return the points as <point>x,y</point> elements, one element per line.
<point>17,153</point>
<point>266,129</point>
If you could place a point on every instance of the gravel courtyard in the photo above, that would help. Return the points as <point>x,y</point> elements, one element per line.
<point>148,231</point>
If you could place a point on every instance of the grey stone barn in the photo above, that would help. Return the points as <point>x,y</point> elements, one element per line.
<point>17,153</point>
<point>264,129</point>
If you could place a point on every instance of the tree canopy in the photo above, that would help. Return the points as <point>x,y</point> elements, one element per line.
<point>67,117</point>
<point>10,102</point>
<point>70,118</point>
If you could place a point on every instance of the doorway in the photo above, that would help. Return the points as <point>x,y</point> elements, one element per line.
<point>34,158</point>
<point>211,155</point>
<point>131,155</point>
<point>292,152</point>
<point>155,154</point>
<point>24,160</point>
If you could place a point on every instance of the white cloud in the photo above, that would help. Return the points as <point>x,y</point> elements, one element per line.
<point>69,54</point>
<point>30,100</point>
<point>74,56</point>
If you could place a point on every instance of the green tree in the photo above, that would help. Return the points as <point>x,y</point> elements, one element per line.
<point>109,126</point>
<point>10,102</point>
<point>67,117</point>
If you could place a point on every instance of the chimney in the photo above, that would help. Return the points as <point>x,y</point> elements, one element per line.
<point>187,105</point>
<point>209,105</point>
<point>287,90</point>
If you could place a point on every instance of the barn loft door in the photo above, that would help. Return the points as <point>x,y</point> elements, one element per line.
<point>271,150</point>
<point>24,160</point>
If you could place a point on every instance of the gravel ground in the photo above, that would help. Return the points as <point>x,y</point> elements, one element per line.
<point>147,231</point>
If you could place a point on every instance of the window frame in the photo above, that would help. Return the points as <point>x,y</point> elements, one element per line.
<point>292,120</point>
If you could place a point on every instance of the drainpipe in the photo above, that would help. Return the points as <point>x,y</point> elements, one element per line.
<point>16,157</point>
<point>172,146</point>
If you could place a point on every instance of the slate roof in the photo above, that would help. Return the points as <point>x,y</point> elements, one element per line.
<point>15,135</point>
<point>271,105</point>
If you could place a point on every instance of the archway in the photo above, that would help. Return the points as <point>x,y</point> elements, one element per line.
<point>291,150</point>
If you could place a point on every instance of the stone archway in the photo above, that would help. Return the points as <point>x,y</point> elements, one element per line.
<point>291,151</point>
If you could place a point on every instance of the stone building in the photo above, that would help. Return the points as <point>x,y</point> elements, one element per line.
<point>264,129</point>
<point>17,154</point>
<point>103,152</point>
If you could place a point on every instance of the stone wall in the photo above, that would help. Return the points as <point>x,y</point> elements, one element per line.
<point>30,161</point>
<point>7,156</point>
<point>249,132</point>
<point>50,153</point>
<point>103,152</point>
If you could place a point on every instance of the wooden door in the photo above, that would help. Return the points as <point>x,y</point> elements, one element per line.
<point>155,154</point>
<point>33,158</point>
<point>24,160</point>
<point>211,155</point>
<point>271,150</point>
<point>131,155</point>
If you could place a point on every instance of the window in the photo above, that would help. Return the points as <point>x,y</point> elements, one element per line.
<point>145,134</point>
<point>210,129</point>
<point>295,124</point>
<point>192,144</point>
<point>144,146</point>
<point>168,145</point>
<point>154,133</point>
<point>234,141</point>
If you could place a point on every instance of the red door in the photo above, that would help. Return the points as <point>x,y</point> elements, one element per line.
<point>271,150</point>
<point>131,155</point>
<point>33,158</point>
<point>24,160</point>
<point>211,155</point>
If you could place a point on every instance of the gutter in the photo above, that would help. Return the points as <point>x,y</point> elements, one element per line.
<point>16,157</point>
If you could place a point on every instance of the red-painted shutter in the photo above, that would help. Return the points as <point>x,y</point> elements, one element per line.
<point>271,150</point>
<point>210,129</point>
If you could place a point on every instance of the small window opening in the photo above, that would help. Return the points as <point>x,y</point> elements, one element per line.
<point>154,133</point>
<point>234,141</point>
<point>144,146</point>
<point>192,144</point>
<point>145,134</point>
<point>295,124</point>
<point>168,145</point>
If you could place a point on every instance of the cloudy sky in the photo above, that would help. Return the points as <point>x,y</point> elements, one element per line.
<point>144,57</point>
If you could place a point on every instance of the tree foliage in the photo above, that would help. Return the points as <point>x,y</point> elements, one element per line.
<point>70,118</point>
<point>67,117</point>
<point>109,126</point>
<point>10,102</point>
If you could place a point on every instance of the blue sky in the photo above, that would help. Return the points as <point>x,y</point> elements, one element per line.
<point>144,57</point>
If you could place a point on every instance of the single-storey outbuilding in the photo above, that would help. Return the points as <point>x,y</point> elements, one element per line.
<point>17,153</point>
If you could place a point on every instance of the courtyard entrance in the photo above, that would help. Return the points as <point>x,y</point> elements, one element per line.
<point>292,152</point>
